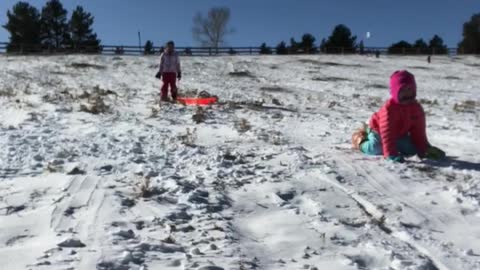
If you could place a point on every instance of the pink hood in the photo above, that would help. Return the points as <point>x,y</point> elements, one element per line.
<point>399,80</point>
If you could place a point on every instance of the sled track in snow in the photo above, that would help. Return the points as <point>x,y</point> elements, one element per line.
<point>379,218</point>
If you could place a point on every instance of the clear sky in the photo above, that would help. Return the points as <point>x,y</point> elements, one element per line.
<point>117,22</point>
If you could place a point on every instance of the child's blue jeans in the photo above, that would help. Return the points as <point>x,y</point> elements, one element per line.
<point>373,145</point>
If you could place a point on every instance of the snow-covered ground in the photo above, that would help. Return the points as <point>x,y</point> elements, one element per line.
<point>265,180</point>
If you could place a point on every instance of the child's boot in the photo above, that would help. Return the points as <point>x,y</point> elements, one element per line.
<point>435,153</point>
<point>164,98</point>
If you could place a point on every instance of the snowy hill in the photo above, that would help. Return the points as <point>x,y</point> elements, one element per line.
<point>95,175</point>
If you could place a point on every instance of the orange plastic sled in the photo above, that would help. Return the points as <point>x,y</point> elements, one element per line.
<point>197,101</point>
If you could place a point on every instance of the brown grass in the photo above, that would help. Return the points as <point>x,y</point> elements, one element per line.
<point>243,125</point>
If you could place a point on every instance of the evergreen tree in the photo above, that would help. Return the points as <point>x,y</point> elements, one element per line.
<point>54,31</point>
<point>23,26</point>
<point>294,46</point>
<point>323,46</point>
<point>264,49</point>
<point>341,40</point>
<point>471,36</point>
<point>361,47</point>
<point>421,46</point>
<point>281,48</point>
<point>82,36</point>
<point>308,43</point>
<point>436,45</point>
<point>401,47</point>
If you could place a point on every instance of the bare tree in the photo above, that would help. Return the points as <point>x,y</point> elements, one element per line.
<point>211,30</point>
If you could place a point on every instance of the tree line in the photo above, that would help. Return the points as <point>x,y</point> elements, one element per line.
<point>51,30</point>
<point>212,29</point>
<point>32,31</point>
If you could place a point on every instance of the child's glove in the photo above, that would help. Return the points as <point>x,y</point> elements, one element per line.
<point>396,159</point>
<point>435,153</point>
<point>158,75</point>
<point>179,76</point>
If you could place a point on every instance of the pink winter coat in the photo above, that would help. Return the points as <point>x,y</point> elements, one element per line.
<point>395,120</point>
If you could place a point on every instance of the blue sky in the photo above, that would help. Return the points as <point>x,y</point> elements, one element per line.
<point>255,21</point>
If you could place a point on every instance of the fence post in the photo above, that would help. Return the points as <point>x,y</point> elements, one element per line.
<point>433,51</point>
<point>343,50</point>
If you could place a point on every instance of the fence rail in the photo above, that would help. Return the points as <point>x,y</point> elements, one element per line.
<point>210,51</point>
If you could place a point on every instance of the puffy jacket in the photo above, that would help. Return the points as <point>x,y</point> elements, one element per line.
<point>394,121</point>
<point>170,62</point>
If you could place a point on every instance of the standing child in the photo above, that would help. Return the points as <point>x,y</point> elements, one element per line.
<point>169,71</point>
<point>398,129</point>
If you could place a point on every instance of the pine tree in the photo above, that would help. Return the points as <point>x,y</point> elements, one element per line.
<point>54,32</point>
<point>323,46</point>
<point>82,36</point>
<point>308,43</point>
<point>23,26</point>
<point>436,45</point>
<point>281,48</point>
<point>361,47</point>
<point>421,46</point>
<point>264,49</point>
<point>341,40</point>
<point>401,47</point>
<point>471,36</point>
<point>294,46</point>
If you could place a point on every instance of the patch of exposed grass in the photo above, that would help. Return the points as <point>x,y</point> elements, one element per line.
<point>245,74</point>
<point>375,102</point>
<point>331,64</point>
<point>243,125</point>
<point>452,78</point>
<point>330,79</point>
<point>61,97</point>
<point>189,138</point>
<point>95,105</point>
<point>467,106</point>
<point>274,89</point>
<point>87,65</point>
<point>7,92</point>
<point>420,67</point>
<point>424,101</point>
<point>200,115</point>
<point>309,61</point>
<point>376,86</point>
<point>334,64</point>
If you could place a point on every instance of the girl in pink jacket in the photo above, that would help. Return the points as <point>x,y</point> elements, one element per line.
<point>169,72</point>
<point>398,129</point>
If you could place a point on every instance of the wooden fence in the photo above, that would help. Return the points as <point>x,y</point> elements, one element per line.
<point>210,51</point>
